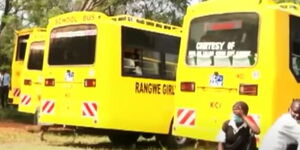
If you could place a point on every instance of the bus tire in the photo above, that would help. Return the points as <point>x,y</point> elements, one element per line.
<point>171,141</point>
<point>123,138</point>
<point>36,117</point>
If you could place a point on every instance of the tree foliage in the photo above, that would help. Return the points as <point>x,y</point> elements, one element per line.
<point>19,14</point>
<point>168,11</point>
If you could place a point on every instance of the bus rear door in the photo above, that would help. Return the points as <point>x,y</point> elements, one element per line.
<point>31,78</point>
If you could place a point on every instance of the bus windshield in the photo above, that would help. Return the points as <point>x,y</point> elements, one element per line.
<point>223,40</point>
<point>72,45</point>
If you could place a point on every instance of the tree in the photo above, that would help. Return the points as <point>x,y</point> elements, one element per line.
<point>19,14</point>
<point>6,6</point>
<point>168,11</point>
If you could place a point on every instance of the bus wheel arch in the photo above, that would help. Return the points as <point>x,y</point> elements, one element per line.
<point>170,140</point>
<point>123,137</point>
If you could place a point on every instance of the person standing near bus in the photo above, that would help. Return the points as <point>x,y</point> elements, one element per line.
<point>1,79</point>
<point>5,87</point>
<point>285,131</point>
<point>237,132</point>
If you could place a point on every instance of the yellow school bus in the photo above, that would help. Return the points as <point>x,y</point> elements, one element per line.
<point>233,51</point>
<point>21,38</point>
<point>114,73</point>
<point>31,78</point>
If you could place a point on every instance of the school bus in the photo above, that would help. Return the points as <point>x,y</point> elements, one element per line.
<point>112,73</point>
<point>31,78</point>
<point>227,54</point>
<point>21,38</point>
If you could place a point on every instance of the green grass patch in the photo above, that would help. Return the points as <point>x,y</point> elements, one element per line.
<point>12,114</point>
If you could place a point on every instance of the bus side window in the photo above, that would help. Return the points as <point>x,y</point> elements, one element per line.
<point>296,64</point>
<point>295,46</point>
<point>151,63</point>
<point>131,62</point>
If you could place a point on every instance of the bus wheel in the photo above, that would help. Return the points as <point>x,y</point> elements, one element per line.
<point>171,141</point>
<point>123,138</point>
<point>147,135</point>
<point>36,117</point>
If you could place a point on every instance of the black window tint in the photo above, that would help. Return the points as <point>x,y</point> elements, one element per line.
<point>72,45</point>
<point>21,47</point>
<point>223,40</point>
<point>35,60</point>
<point>148,54</point>
<point>295,46</point>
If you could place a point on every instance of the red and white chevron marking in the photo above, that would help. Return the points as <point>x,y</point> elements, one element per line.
<point>16,92</point>
<point>48,106</point>
<point>25,99</point>
<point>89,109</point>
<point>186,117</point>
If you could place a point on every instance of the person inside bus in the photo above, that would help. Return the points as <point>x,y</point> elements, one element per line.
<point>132,61</point>
<point>238,132</point>
<point>285,132</point>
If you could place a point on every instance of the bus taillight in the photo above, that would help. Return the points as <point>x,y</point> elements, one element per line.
<point>49,82</point>
<point>27,82</point>
<point>187,86</point>
<point>89,82</point>
<point>248,89</point>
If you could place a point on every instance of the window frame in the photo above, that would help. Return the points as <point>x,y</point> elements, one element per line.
<point>21,51</point>
<point>292,48</point>
<point>162,52</point>
<point>70,26</point>
<point>252,59</point>
<point>29,66</point>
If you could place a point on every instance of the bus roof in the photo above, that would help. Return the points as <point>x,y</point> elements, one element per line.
<point>146,22</point>
<point>76,17</point>
<point>289,7</point>
<point>216,5</point>
<point>29,30</point>
<point>91,17</point>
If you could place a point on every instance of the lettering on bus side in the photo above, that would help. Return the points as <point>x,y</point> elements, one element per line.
<point>154,88</point>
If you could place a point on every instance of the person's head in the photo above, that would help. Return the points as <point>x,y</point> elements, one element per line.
<point>294,109</point>
<point>239,109</point>
<point>240,105</point>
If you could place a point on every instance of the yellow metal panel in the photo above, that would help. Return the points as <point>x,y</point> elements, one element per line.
<point>213,105</point>
<point>17,65</point>
<point>31,93</point>
<point>117,102</point>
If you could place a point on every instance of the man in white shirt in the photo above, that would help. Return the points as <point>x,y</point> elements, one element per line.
<point>285,131</point>
<point>1,80</point>
<point>5,87</point>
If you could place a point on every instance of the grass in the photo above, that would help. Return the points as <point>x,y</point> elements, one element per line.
<point>16,138</point>
<point>12,114</point>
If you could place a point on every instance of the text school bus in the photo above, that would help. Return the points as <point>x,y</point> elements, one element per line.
<point>31,78</point>
<point>229,53</point>
<point>21,38</point>
<point>114,73</point>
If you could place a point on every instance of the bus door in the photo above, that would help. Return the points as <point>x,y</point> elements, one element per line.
<point>32,79</point>
<point>221,52</point>
<point>69,69</point>
<point>17,64</point>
